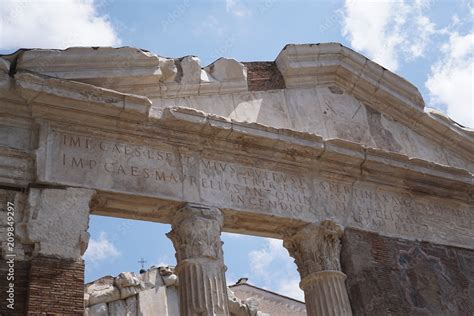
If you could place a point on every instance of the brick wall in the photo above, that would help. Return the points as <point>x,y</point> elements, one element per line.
<point>20,269</point>
<point>264,75</point>
<point>56,287</point>
<point>20,287</point>
<point>387,276</point>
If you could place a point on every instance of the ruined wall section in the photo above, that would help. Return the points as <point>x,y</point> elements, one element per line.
<point>390,276</point>
<point>323,89</point>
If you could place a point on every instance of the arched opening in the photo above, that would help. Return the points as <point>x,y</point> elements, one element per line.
<point>129,268</point>
<point>117,245</point>
<point>261,273</point>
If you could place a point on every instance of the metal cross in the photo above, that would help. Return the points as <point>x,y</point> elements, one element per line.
<point>142,262</point>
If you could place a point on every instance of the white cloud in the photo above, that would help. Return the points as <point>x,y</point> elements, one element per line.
<point>291,288</point>
<point>388,30</point>
<point>237,8</point>
<point>54,24</point>
<point>392,31</point>
<point>451,80</point>
<point>275,268</point>
<point>100,249</point>
<point>261,259</point>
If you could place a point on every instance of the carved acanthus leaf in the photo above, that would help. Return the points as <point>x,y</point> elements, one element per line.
<point>316,247</point>
<point>196,233</point>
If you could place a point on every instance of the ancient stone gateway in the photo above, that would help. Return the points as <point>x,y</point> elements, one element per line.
<point>371,193</point>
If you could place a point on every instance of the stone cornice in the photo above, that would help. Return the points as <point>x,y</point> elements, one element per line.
<point>190,126</point>
<point>360,162</point>
<point>73,95</point>
<point>88,105</point>
<point>308,64</point>
<point>312,64</point>
<point>140,72</point>
<point>89,62</point>
<point>133,70</point>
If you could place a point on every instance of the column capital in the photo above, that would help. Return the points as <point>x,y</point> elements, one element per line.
<point>195,234</point>
<point>196,231</point>
<point>315,247</point>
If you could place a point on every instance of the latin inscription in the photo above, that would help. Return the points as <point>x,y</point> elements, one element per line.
<point>240,185</point>
<point>106,164</point>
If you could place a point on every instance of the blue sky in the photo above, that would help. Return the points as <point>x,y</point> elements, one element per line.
<point>429,43</point>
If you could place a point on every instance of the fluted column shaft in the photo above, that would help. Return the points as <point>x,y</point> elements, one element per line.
<point>316,249</point>
<point>200,266</point>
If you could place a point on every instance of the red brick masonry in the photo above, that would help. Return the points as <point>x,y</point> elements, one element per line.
<point>56,287</point>
<point>264,75</point>
<point>388,276</point>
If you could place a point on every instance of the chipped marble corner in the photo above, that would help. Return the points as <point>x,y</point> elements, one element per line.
<point>55,222</point>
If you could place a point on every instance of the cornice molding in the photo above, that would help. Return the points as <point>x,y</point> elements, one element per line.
<point>360,162</point>
<point>137,72</point>
<point>306,65</point>
<point>74,95</point>
<point>132,70</point>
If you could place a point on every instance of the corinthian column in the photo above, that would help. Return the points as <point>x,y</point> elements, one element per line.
<point>195,235</point>
<point>316,249</point>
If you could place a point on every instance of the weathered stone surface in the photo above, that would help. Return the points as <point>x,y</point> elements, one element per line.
<point>56,221</point>
<point>303,65</point>
<point>172,301</point>
<point>129,291</point>
<point>152,278</point>
<point>71,93</point>
<point>132,306</point>
<point>316,249</point>
<point>267,108</point>
<point>225,69</point>
<point>128,284</point>
<point>195,235</point>
<point>168,275</point>
<point>123,307</point>
<point>224,75</point>
<point>118,308</point>
<point>127,279</point>
<point>98,310</point>
<point>130,295</point>
<point>102,291</point>
<point>86,299</point>
<point>4,65</point>
<point>406,277</point>
<point>103,66</point>
<point>189,70</point>
<point>152,302</point>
